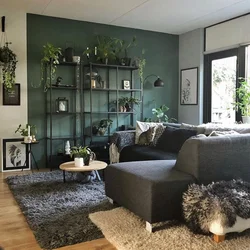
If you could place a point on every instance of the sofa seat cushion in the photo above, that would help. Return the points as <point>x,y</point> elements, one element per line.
<point>151,189</point>
<point>144,153</point>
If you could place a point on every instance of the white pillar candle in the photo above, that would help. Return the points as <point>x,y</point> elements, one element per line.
<point>29,130</point>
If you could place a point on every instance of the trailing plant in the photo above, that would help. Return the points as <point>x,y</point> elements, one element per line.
<point>80,151</point>
<point>243,97</point>
<point>50,58</point>
<point>8,62</point>
<point>141,64</point>
<point>24,130</point>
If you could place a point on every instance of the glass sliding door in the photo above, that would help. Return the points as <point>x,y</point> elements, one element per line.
<point>223,83</point>
<point>221,74</point>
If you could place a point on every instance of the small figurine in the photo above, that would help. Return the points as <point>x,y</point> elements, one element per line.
<point>67,148</point>
<point>58,80</point>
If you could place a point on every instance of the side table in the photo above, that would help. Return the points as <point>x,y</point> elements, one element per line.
<point>29,153</point>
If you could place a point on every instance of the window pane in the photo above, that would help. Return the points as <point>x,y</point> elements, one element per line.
<point>223,89</point>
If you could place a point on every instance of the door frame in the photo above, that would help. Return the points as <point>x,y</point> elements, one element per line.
<point>207,90</point>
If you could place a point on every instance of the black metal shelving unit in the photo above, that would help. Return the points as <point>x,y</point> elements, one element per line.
<point>52,113</point>
<point>114,88</point>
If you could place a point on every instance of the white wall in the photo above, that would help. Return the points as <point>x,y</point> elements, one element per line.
<point>12,116</point>
<point>191,46</point>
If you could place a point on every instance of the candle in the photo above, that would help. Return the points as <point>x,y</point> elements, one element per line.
<point>95,51</point>
<point>88,53</point>
<point>28,130</point>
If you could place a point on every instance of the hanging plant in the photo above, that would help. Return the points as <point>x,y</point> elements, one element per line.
<point>8,63</point>
<point>50,58</point>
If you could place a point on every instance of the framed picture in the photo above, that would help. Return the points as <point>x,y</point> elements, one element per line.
<point>14,154</point>
<point>62,104</point>
<point>12,97</point>
<point>189,86</point>
<point>126,84</point>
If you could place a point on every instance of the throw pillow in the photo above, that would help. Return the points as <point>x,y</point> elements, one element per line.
<point>158,132</point>
<point>220,133</point>
<point>147,137</point>
<point>172,139</point>
<point>141,127</point>
<point>200,129</point>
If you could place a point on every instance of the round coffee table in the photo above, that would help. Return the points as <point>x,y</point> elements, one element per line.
<point>93,166</point>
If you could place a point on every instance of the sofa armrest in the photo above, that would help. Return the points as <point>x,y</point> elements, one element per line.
<point>123,138</point>
<point>216,158</point>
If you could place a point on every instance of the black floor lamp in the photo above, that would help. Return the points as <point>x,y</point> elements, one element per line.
<point>158,83</point>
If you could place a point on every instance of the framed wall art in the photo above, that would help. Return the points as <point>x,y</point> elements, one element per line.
<point>12,98</point>
<point>189,86</point>
<point>126,84</point>
<point>14,154</point>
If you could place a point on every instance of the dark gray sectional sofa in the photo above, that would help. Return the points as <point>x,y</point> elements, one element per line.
<point>153,189</point>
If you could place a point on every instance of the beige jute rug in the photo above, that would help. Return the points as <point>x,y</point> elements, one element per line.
<point>127,232</point>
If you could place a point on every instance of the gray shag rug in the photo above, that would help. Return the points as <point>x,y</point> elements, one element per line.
<point>225,200</point>
<point>57,212</point>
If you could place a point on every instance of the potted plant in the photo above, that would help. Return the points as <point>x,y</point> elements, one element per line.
<point>125,103</point>
<point>124,46</point>
<point>243,100</point>
<point>8,62</point>
<point>82,155</point>
<point>104,124</point>
<point>28,132</point>
<point>140,62</point>
<point>160,114</point>
<point>50,58</point>
<point>106,48</point>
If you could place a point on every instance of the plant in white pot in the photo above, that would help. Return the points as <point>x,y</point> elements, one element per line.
<point>243,100</point>
<point>82,155</point>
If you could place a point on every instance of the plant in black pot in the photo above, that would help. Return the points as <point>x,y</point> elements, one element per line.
<point>124,47</point>
<point>8,62</point>
<point>106,48</point>
<point>50,58</point>
<point>104,124</point>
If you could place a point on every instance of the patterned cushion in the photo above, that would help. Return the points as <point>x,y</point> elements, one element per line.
<point>158,132</point>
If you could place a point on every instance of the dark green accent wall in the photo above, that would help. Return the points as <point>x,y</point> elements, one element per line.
<point>162,51</point>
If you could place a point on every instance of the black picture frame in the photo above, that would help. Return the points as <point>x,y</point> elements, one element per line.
<point>12,98</point>
<point>126,84</point>
<point>189,86</point>
<point>62,105</point>
<point>14,154</point>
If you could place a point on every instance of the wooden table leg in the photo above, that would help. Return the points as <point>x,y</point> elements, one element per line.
<point>219,238</point>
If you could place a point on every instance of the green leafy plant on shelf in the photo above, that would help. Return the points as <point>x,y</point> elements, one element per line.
<point>122,48</point>
<point>103,125</point>
<point>126,103</point>
<point>24,130</point>
<point>50,58</point>
<point>8,61</point>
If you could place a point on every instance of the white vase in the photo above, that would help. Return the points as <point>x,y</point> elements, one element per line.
<point>246,119</point>
<point>79,162</point>
<point>67,148</point>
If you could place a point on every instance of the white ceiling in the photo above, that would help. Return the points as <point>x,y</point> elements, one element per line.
<point>168,16</point>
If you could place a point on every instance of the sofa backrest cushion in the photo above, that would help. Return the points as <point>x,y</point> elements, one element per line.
<point>216,158</point>
<point>172,139</point>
